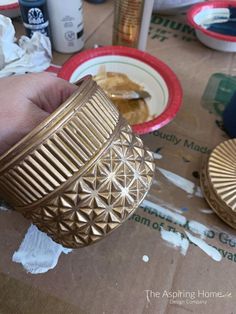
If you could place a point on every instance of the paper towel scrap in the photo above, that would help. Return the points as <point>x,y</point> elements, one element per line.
<point>29,55</point>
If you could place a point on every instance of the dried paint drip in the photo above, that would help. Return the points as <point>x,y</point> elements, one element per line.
<point>179,219</point>
<point>157,156</point>
<point>175,240</point>
<point>209,250</point>
<point>206,211</point>
<point>4,206</point>
<point>38,253</point>
<point>145,258</point>
<point>198,228</point>
<point>184,184</point>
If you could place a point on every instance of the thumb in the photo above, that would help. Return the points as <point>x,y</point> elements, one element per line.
<point>48,92</point>
<point>20,125</point>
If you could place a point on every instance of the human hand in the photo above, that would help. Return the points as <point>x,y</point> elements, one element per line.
<point>25,101</point>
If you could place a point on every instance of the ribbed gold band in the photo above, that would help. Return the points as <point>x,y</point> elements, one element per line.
<point>60,148</point>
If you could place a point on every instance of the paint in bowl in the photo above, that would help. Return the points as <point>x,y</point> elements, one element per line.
<point>215,24</point>
<point>142,68</point>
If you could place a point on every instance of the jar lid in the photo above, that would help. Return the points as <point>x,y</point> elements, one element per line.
<point>218,181</point>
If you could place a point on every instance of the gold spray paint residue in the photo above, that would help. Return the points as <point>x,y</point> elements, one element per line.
<point>135,111</point>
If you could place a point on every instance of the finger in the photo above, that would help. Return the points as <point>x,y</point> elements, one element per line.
<point>56,92</point>
<point>47,91</point>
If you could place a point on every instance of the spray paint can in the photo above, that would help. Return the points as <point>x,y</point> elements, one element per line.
<point>131,22</point>
<point>34,16</point>
<point>127,22</point>
<point>66,25</point>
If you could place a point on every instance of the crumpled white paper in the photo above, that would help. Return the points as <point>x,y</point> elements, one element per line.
<point>29,55</point>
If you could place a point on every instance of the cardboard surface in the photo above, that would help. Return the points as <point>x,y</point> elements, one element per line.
<point>112,276</point>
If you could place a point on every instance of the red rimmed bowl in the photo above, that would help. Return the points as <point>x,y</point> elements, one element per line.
<point>154,75</point>
<point>9,8</point>
<point>201,15</point>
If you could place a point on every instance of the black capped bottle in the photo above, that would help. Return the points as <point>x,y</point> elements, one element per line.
<point>34,16</point>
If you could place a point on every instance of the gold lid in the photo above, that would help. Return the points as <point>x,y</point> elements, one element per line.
<point>218,180</point>
<point>80,173</point>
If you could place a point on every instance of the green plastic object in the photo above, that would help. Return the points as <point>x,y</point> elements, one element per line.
<point>218,92</point>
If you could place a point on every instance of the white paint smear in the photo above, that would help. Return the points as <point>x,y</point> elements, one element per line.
<point>167,205</point>
<point>198,192</point>
<point>157,156</point>
<point>175,240</point>
<point>184,184</point>
<point>145,258</point>
<point>3,208</point>
<point>206,211</point>
<point>177,210</point>
<point>193,225</point>
<point>209,250</point>
<point>165,212</point>
<point>38,253</point>
<point>198,228</point>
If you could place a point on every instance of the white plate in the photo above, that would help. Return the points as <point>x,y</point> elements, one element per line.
<point>137,71</point>
<point>200,15</point>
<point>155,77</point>
<point>9,8</point>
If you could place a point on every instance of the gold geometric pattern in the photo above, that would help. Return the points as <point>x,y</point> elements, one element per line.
<point>100,200</point>
<point>81,173</point>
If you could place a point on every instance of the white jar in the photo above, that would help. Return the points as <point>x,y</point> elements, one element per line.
<point>66,25</point>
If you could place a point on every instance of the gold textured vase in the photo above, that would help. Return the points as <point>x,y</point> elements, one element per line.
<point>218,181</point>
<point>81,173</point>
